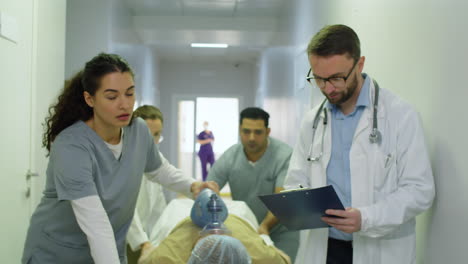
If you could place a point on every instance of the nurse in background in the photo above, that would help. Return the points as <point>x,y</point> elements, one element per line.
<point>151,201</point>
<point>206,154</point>
<point>98,154</point>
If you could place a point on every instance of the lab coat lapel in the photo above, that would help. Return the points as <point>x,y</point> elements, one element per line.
<point>326,146</point>
<point>318,169</point>
<point>366,118</point>
<point>362,156</point>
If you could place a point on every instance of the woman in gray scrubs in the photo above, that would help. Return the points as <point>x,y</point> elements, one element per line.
<point>98,154</point>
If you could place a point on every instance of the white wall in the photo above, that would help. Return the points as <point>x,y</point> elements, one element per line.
<point>203,79</point>
<point>107,26</point>
<point>49,62</point>
<point>275,91</point>
<point>418,50</point>
<point>121,24</point>
<point>88,32</point>
<point>16,77</point>
<point>145,65</point>
<point>281,88</point>
<point>31,69</point>
<point>446,125</point>
<point>125,41</point>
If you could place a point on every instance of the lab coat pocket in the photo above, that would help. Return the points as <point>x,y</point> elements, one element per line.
<point>385,178</point>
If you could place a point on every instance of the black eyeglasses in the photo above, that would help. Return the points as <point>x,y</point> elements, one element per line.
<point>337,82</point>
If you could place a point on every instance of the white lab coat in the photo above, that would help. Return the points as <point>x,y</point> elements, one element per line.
<point>150,205</point>
<point>391,183</point>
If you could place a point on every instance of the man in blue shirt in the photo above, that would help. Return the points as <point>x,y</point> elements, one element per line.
<point>369,145</point>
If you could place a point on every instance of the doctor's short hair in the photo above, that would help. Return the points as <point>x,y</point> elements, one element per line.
<point>254,113</point>
<point>335,40</point>
<point>148,112</point>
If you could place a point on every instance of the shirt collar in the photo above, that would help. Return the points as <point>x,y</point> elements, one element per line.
<point>363,99</point>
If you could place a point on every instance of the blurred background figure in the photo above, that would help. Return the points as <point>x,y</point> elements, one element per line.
<point>151,201</point>
<point>206,154</point>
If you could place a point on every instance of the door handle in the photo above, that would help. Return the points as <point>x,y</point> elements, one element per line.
<point>30,174</point>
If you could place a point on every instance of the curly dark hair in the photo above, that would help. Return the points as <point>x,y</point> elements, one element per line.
<point>71,105</point>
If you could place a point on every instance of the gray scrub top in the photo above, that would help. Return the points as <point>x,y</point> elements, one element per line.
<point>82,165</point>
<point>247,181</point>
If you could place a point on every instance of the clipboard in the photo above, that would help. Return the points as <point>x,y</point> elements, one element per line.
<point>302,208</point>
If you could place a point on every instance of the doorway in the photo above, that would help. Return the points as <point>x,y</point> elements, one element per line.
<point>222,115</point>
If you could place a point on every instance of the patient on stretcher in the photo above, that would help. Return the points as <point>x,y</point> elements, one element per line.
<point>182,239</point>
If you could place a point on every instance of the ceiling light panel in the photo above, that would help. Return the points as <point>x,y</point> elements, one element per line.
<point>209,45</point>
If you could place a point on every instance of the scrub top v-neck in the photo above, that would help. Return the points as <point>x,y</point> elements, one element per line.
<point>82,165</point>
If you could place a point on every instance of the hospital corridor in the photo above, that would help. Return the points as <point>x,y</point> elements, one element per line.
<point>233,131</point>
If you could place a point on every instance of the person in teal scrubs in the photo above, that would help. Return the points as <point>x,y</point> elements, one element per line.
<point>257,166</point>
<point>98,154</point>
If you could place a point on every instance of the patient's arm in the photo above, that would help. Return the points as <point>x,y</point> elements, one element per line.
<point>267,224</point>
<point>270,220</point>
<point>283,255</point>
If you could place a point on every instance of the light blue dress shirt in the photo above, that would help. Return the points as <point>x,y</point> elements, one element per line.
<point>338,169</point>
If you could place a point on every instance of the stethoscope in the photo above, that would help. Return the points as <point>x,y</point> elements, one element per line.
<point>375,136</point>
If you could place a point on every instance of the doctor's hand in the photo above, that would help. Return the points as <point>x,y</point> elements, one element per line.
<point>197,186</point>
<point>349,220</point>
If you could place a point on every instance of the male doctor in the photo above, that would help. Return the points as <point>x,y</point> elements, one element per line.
<point>369,145</point>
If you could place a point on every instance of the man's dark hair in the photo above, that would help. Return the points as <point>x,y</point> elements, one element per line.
<point>335,40</point>
<point>254,113</point>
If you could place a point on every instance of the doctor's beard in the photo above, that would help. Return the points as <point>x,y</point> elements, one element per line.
<point>346,94</point>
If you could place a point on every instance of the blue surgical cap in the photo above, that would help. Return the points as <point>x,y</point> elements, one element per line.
<point>200,214</point>
<point>219,249</point>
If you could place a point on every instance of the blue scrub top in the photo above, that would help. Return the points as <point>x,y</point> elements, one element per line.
<point>82,165</point>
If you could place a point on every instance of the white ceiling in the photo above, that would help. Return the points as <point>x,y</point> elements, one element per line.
<point>169,26</point>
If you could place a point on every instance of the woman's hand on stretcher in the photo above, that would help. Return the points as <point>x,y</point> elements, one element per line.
<point>198,186</point>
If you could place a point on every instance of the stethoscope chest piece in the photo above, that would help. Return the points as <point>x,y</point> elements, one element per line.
<point>375,136</point>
